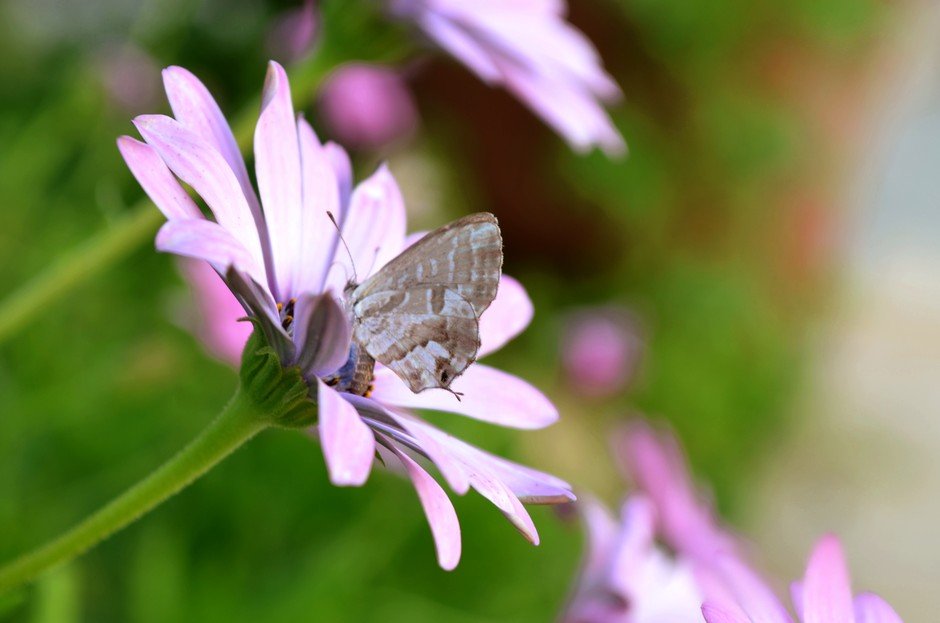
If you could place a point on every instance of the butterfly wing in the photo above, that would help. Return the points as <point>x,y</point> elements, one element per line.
<point>419,315</point>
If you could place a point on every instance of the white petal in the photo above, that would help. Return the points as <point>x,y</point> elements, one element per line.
<point>348,444</point>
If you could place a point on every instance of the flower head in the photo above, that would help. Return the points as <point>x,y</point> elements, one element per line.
<point>601,350</point>
<point>823,596</point>
<point>367,106</point>
<point>626,577</point>
<point>282,259</point>
<point>528,47</point>
<point>686,519</point>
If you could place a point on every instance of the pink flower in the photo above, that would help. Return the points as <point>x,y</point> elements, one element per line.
<point>281,258</point>
<point>600,351</point>
<point>368,106</point>
<point>686,519</point>
<point>217,320</point>
<point>626,577</point>
<point>823,596</point>
<point>527,47</point>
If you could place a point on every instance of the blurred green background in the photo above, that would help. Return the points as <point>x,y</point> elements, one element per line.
<point>715,233</point>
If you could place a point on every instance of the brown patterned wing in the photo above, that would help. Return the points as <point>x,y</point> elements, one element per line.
<point>419,315</point>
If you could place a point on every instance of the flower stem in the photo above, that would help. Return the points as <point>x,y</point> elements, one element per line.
<point>239,422</point>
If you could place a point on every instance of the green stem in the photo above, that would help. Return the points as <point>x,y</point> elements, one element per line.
<point>239,422</point>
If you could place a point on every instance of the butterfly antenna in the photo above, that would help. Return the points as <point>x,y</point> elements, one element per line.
<point>346,246</point>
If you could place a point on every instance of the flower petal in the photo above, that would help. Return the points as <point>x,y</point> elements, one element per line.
<point>277,166</point>
<point>204,240</point>
<point>484,475</point>
<point>632,547</point>
<point>654,460</point>
<point>719,614</point>
<point>601,528</point>
<point>488,394</point>
<point>197,110</point>
<point>461,46</point>
<point>870,608</point>
<point>343,169</point>
<point>750,592</point>
<point>569,109</point>
<point>373,228</point>
<point>318,235</point>
<point>156,180</point>
<point>348,444</point>
<point>198,164</point>
<point>321,334</point>
<point>437,507</point>
<point>827,593</point>
<point>530,485</point>
<point>506,317</point>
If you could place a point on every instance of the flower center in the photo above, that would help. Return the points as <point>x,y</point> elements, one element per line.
<point>286,310</point>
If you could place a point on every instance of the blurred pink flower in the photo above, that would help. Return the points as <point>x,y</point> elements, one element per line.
<point>626,577</point>
<point>285,265</point>
<point>529,48</point>
<point>823,596</point>
<point>293,33</point>
<point>686,520</point>
<point>367,106</point>
<point>219,312</point>
<point>601,350</point>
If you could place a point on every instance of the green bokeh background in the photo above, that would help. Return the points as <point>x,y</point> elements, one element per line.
<point>689,232</point>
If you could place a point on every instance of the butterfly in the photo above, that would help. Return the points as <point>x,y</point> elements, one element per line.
<point>419,315</point>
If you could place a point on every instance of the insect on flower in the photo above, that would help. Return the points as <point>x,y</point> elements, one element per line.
<point>428,305</point>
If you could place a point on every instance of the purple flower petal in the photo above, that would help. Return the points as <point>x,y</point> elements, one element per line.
<point>632,546</point>
<point>572,111</point>
<point>796,596</point>
<point>485,477</point>
<point>438,509</point>
<point>277,165</point>
<point>461,46</point>
<point>488,394</point>
<point>318,235</point>
<point>506,317</point>
<point>451,468</point>
<point>343,169</point>
<point>601,528</point>
<point>530,485</point>
<point>530,49</point>
<point>348,444</point>
<point>870,608</point>
<point>198,164</point>
<point>202,239</point>
<point>373,228</point>
<point>321,333</point>
<point>655,462</point>
<point>195,108</point>
<point>718,614</point>
<point>827,593</point>
<point>751,593</point>
<point>156,180</point>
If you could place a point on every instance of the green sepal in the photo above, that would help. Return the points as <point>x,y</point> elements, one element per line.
<point>279,392</point>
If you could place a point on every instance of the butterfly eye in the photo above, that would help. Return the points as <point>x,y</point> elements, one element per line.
<point>444,376</point>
